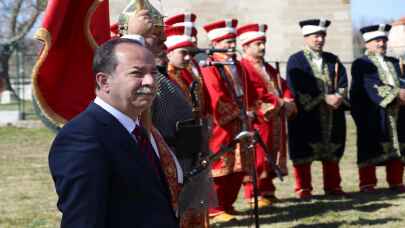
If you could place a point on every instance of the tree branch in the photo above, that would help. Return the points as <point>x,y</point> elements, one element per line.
<point>15,11</point>
<point>21,29</point>
<point>26,26</point>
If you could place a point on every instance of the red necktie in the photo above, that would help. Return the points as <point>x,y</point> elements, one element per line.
<point>145,146</point>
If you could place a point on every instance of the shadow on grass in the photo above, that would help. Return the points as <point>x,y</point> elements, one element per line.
<point>361,222</point>
<point>292,209</point>
<point>321,225</point>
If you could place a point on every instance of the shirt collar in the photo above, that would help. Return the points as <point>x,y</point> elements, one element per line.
<point>125,120</point>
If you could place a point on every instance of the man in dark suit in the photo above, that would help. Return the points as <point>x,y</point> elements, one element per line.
<point>318,131</point>
<point>105,176</point>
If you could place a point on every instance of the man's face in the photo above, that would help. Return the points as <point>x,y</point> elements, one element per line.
<point>179,57</point>
<point>255,49</point>
<point>131,87</point>
<point>315,41</point>
<point>225,44</point>
<point>377,46</point>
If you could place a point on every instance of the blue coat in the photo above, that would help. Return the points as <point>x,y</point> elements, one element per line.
<point>316,132</point>
<point>102,178</point>
<point>372,102</point>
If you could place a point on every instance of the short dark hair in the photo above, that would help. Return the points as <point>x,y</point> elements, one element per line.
<point>105,60</point>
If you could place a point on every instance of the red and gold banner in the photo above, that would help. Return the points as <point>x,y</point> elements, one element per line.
<point>63,82</point>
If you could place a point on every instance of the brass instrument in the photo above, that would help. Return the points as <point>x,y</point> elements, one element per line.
<point>135,6</point>
<point>279,80</point>
<point>336,78</point>
<point>195,99</point>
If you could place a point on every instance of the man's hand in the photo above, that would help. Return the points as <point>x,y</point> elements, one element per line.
<point>334,101</point>
<point>140,23</point>
<point>402,96</point>
<point>290,108</point>
<point>275,110</point>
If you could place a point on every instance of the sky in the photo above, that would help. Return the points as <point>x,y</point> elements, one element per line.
<point>376,11</point>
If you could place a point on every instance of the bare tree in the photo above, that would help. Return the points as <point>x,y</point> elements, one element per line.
<point>17,19</point>
<point>358,43</point>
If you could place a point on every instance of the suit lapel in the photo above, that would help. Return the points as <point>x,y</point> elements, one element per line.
<point>120,141</point>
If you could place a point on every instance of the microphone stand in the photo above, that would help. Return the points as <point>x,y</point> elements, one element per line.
<point>251,148</point>
<point>204,163</point>
<point>242,103</point>
<point>240,98</point>
<point>256,139</point>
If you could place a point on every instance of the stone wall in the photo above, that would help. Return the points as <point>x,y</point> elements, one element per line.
<point>282,17</point>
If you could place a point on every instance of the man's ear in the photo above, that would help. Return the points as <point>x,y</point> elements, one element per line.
<point>169,54</point>
<point>244,47</point>
<point>103,82</point>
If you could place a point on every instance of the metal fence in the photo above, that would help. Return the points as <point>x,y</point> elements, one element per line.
<point>20,68</point>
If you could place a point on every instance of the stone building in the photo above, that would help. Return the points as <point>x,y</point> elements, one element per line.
<point>282,17</point>
<point>396,43</point>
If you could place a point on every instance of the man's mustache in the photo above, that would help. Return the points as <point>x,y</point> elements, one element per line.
<point>145,90</point>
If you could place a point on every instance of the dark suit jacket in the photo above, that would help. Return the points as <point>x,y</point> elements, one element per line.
<point>103,179</point>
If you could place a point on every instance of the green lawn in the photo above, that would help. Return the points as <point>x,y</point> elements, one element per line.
<point>28,199</point>
<point>27,196</point>
<point>360,210</point>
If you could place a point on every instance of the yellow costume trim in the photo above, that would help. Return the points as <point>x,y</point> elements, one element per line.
<point>43,35</point>
<point>266,107</point>
<point>387,93</point>
<point>174,74</point>
<point>227,112</point>
<point>87,31</point>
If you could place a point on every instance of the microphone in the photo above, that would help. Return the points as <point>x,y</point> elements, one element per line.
<point>206,63</point>
<point>210,51</point>
<point>213,157</point>
<point>243,135</point>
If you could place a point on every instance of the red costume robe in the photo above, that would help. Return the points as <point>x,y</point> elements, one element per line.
<point>267,87</point>
<point>225,111</point>
<point>183,79</point>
